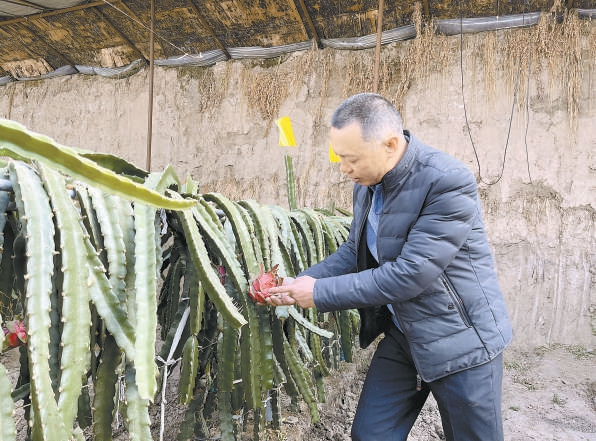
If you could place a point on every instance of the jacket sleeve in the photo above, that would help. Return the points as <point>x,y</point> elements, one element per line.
<point>445,221</point>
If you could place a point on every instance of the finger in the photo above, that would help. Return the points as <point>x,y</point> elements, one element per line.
<point>280,300</point>
<point>288,281</point>
<point>274,300</point>
<point>279,290</point>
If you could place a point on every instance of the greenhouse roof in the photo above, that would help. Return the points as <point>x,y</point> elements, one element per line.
<point>42,38</point>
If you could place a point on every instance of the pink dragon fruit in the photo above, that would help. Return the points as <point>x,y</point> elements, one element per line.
<point>259,288</point>
<point>15,333</point>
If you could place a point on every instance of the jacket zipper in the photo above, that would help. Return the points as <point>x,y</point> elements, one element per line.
<point>457,301</point>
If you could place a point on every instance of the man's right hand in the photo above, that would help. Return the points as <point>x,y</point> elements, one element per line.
<point>298,291</point>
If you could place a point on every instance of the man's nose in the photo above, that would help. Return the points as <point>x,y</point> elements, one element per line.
<point>343,167</point>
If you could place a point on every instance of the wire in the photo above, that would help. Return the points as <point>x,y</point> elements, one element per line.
<point>461,68</point>
<point>147,28</point>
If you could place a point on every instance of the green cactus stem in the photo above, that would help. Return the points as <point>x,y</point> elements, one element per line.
<point>302,380</point>
<point>137,409</point>
<point>75,356</point>
<point>345,332</point>
<point>301,320</point>
<point>145,304</point>
<point>207,276</point>
<point>291,187</point>
<point>108,304</point>
<point>188,372</point>
<point>105,390</point>
<point>8,430</point>
<point>35,212</point>
<point>17,142</point>
<point>313,219</point>
<point>107,212</point>
<point>306,237</point>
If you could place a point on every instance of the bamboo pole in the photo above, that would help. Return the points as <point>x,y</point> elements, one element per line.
<point>151,72</point>
<point>378,47</point>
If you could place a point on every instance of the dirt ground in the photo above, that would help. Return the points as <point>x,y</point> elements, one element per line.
<point>549,394</point>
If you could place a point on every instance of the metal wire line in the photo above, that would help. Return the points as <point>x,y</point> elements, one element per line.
<point>148,29</point>
<point>469,131</point>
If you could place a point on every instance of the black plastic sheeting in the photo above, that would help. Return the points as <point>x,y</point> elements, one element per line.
<point>209,58</point>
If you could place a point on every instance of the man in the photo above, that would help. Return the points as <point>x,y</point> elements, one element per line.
<point>418,266</point>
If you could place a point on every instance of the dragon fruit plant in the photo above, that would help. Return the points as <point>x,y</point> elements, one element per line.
<point>85,239</point>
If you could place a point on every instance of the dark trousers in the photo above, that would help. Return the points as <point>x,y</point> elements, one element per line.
<point>469,401</point>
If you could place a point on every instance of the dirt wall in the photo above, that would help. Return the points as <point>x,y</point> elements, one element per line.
<point>521,116</point>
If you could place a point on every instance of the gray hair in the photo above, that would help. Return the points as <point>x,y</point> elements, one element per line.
<point>375,115</point>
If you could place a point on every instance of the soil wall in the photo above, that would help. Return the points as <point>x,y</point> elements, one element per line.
<point>518,112</point>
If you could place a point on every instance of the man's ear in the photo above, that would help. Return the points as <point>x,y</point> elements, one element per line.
<point>391,144</point>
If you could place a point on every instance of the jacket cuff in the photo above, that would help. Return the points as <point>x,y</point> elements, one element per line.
<point>318,297</point>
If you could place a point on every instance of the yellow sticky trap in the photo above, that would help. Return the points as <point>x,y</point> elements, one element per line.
<point>286,134</point>
<point>332,156</point>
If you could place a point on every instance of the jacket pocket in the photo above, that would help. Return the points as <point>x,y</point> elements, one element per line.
<point>457,302</point>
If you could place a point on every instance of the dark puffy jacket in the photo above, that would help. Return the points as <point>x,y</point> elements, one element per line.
<point>435,266</point>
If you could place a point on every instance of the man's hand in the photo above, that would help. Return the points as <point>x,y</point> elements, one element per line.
<point>292,291</point>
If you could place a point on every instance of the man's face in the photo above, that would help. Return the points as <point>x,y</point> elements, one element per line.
<point>364,162</point>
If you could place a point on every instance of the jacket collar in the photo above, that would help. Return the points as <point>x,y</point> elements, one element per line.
<point>394,177</point>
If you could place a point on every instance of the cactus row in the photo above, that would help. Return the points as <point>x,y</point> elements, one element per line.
<point>100,253</point>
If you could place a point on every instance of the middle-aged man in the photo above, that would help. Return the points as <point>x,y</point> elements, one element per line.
<point>418,266</point>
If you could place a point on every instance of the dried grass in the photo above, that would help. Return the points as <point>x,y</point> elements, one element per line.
<point>315,70</point>
<point>591,38</point>
<point>558,48</point>
<point>266,88</point>
<point>516,62</point>
<point>490,55</point>
<point>401,63</point>
<point>430,53</point>
<point>358,72</point>
<point>573,60</point>
<point>236,189</point>
<point>550,50</point>
<point>212,89</point>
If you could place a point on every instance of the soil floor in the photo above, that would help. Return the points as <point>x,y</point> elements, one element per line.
<point>549,394</point>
